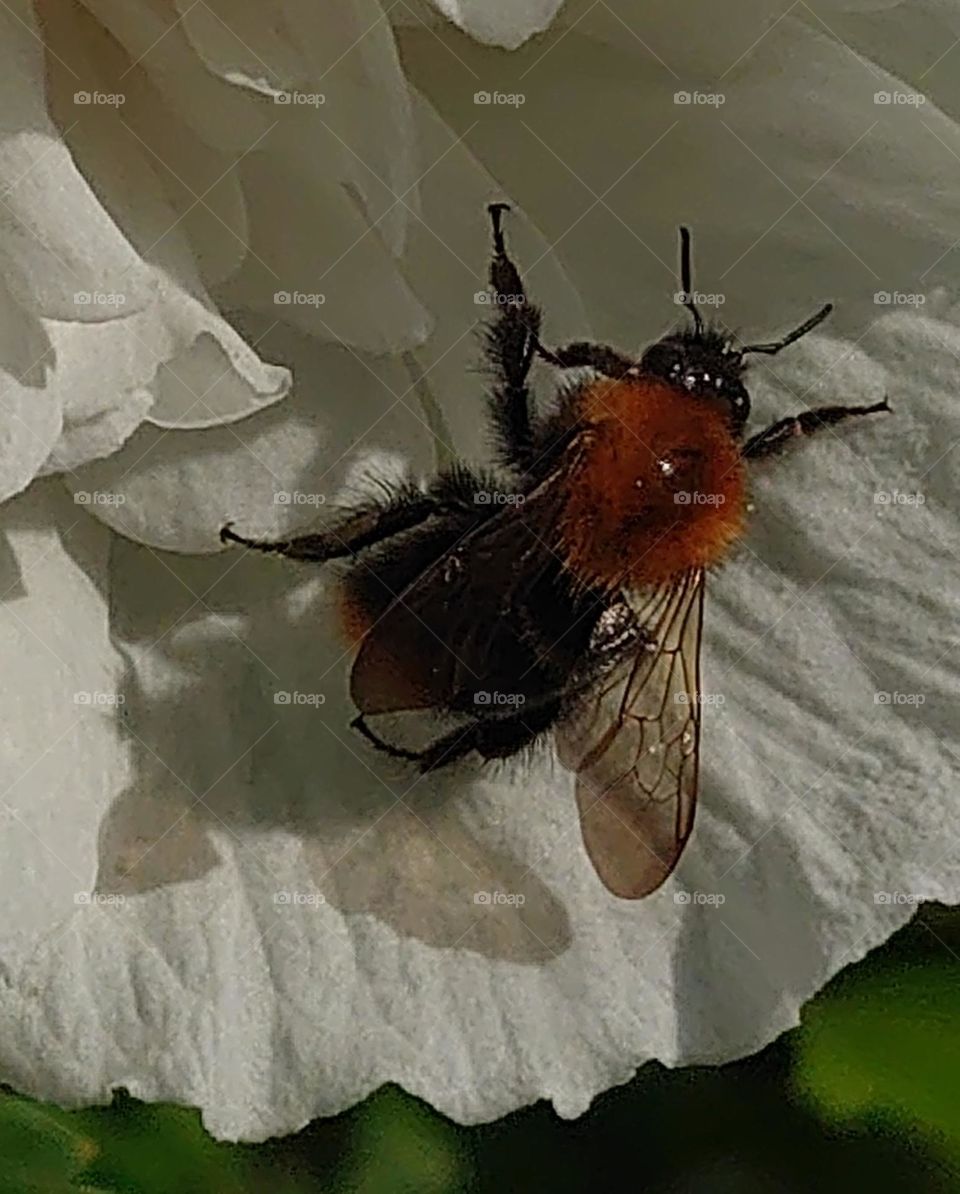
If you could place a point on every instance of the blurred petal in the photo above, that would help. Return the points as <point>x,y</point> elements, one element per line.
<point>59,247</point>
<point>507,23</point>
<point>181,350</point>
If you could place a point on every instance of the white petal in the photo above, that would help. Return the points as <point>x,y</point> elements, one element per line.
<point>57,243</point>
<point>500,22</point>
<point>63,756</point>
<point>337,75</point>
<point>268,474</point>
<point>346,202</point>
<point>30,418</point>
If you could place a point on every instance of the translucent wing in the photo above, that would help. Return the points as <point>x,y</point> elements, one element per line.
<point>634,742</point>
<point>436,640</point>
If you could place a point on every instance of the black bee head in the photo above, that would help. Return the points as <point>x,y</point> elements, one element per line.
<point>706,364</point>
<point>705,361</point>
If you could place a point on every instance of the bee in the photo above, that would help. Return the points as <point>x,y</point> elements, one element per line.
<point>561,592</point>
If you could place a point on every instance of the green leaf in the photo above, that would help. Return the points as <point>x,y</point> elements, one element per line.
<point>887,1043</point>
<point>155,1148</point>
<point>400,1146</point>
<point>41,1147</point>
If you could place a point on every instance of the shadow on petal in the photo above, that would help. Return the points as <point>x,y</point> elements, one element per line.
<point>236,703</point>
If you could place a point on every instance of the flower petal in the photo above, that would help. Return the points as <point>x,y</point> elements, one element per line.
<point>63,759</point>
<point>58,245</point>
<point>269,473</point>
<point>499,23</point>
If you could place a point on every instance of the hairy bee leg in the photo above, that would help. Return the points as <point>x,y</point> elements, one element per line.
<point>774,437</point>
<point>359,530</point>
<point>511,339</point>
<point>452,746</point>
<point>395,752</point>
<point>582,354</point>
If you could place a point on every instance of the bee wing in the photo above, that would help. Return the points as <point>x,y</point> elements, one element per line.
<point>634,745</point>
<point>434,640</point>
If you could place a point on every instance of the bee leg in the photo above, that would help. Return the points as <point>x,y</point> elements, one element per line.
<point>582,354</point>
<point>773,438</point>
<point>451,746</point>
<point>511,339</point>
<point>362,528</point>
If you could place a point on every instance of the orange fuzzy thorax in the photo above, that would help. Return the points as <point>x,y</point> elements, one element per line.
<point>624,523</point>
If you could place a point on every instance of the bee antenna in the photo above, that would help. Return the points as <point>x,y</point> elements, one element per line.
<point>807,326</point>
<point>686,283</point>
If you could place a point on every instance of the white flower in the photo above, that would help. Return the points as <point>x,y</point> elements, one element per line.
<point>300,922</point>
